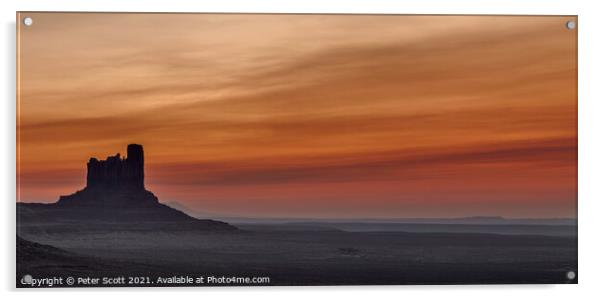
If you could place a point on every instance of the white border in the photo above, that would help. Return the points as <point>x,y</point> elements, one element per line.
<point>590,145</point>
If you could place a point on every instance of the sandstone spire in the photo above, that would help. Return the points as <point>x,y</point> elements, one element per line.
<point>115,193</point>
<point>118,173</point>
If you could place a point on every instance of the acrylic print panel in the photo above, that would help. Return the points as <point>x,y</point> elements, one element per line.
<point>292,149</point>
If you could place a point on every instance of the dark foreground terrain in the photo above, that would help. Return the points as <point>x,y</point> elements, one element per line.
<point>294,255</point>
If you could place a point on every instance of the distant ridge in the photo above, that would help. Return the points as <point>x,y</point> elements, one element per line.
<point>467,220</point>
<point>476,220</point>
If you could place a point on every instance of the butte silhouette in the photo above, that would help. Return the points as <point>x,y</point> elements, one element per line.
<point>115,194</point>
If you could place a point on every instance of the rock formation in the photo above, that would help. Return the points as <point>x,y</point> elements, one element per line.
<point>114,192</point>
<point>114,182</point>
<point>116,173</point>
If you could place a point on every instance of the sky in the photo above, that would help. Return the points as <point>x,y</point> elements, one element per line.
<point>321,116</point>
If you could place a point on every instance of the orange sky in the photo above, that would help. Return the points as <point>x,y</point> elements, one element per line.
<point>307,115</point>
